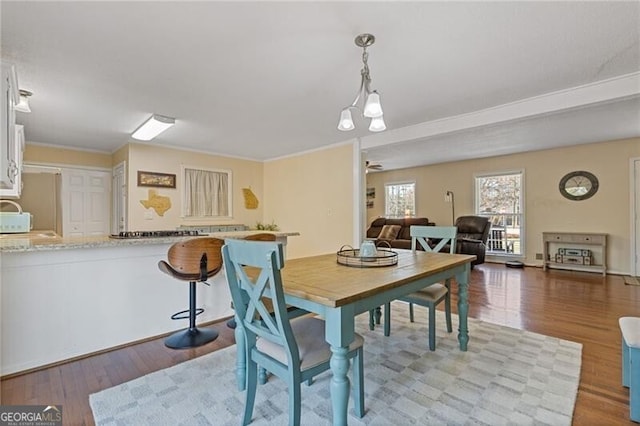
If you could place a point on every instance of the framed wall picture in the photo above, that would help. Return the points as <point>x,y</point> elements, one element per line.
<point>371,193</point>
<point>159,180</point>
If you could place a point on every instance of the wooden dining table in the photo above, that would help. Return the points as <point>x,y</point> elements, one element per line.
<point>338,293</point>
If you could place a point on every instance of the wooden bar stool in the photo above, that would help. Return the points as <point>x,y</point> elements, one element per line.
<point>630,328</point>
<point>192,260</point>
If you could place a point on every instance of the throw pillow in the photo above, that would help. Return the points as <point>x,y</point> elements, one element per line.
<point>389,232</point>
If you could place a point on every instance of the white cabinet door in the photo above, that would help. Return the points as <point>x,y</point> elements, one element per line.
<point>10,97</point>
<point>85,202</point>
<point>14,190</point>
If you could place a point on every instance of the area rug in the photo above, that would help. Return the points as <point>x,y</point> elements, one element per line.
<point>508,377</point>
<point>629,280</point>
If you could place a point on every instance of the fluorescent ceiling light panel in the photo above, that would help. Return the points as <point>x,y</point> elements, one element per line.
<point>151,128</point>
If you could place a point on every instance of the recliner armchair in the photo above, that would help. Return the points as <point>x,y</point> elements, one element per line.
<point>473,232</point>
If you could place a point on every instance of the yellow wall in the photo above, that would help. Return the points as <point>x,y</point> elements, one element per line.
<point>545,209</point>
<point>312,193</point>
<point>151,158</point>
<point>120,155</point>
<point>43,154</point>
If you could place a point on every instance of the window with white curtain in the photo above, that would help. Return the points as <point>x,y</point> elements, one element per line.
<point>207,193</point>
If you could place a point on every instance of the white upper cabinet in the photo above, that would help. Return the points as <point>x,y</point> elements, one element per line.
<point>15,189</point>
<point>12,136</point>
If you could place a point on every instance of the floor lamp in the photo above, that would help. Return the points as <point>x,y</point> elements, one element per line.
<point>449,197</point>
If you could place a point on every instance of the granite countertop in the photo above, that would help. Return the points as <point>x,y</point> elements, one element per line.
<point>47,240</point>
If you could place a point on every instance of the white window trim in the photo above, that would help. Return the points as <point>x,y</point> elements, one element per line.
<point>500,173</point>
<point>402,182</point>
<point>183,198</point>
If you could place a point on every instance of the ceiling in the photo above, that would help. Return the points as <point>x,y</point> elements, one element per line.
<point>262,80</point>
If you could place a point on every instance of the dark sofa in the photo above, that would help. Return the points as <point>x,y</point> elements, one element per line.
<point>403,237</point>
<point>473,232</point>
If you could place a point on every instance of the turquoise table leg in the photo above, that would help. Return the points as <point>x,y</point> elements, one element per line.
<point>241,362</point>
<point>462,279</point>
<point>387,319</point>
<point>262,375</point>
<point>339,331</point>
<point>340,385</point>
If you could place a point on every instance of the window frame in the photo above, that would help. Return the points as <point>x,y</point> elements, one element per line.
<point>476,207</point>
<point>415,204</point>
<point>228,172</point>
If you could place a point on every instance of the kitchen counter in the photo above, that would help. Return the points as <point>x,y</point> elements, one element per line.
<point>47,240</point>
<point>67,297</point>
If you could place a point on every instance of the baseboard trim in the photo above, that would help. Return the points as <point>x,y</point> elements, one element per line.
<point>106,350</point>
<point>536,265</point>
<point>502,262</point>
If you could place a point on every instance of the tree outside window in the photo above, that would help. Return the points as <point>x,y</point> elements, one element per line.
<point>400,199</point>
<point>499,197</point>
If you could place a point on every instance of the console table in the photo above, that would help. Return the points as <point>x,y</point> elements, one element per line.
<point>575,240</point>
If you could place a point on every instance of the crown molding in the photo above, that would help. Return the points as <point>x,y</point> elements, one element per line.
<point>604,91</point>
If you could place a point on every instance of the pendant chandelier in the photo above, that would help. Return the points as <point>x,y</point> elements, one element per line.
<point>372,107</point>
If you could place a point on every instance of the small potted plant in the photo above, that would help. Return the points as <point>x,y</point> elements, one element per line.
<point>266,226</point>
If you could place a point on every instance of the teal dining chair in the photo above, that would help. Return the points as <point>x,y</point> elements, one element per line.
<point>292,349</point>
<point>430,296</point>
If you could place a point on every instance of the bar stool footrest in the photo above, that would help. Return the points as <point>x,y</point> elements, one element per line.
<point>185,314</point>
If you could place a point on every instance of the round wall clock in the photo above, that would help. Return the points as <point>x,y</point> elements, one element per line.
<point>578,185</point>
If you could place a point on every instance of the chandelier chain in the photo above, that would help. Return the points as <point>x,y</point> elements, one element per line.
<point>365,58</point>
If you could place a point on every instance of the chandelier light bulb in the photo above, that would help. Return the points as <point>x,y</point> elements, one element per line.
<point>377,124</point>
<point>346,122</point>
<point>373,108</point>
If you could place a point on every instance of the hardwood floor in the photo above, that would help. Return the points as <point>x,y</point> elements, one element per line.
<point>582,307</point>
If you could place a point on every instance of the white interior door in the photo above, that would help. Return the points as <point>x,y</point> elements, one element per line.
<point>119,201</point>
<point>635,215</point>
<point>85,202</point>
